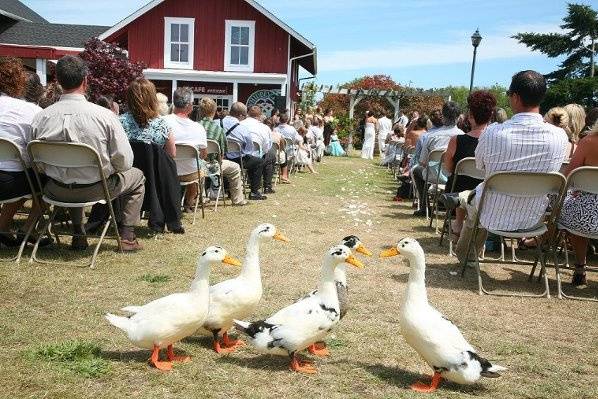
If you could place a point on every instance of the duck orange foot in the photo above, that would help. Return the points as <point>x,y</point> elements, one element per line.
<point>423,388</point>
<point>172,358</point>
<point>302,366</point>
<point>155,360</point>
<point>318,349</point>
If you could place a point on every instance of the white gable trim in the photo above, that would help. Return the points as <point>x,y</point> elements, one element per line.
<point>154,3</point>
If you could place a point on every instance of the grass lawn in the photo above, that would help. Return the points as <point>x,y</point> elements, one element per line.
<point>56,343</point>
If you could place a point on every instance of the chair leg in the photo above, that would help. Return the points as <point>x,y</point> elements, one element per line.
<point>96,250</point>
<point>25,240</point>
<point>201,187</point>
<point>48,227</point>
<point>559,288</point>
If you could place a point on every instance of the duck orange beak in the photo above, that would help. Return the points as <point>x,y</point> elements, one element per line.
<point>231,261</point>
<point>363,250</point>
<point>354,262</point>
<point>389,253</point>
<point>280,237</point>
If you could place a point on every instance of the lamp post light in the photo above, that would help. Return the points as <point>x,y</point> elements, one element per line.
<point>476,38</point>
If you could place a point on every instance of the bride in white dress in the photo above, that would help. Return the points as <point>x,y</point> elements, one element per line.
<point>369,138</point>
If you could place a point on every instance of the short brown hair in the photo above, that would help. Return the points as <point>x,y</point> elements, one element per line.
<point>13,77</point>
<point>142,101</point>
<point>207,107</point>
<point>481,105</point>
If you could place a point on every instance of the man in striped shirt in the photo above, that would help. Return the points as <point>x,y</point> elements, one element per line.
<point>230,171</point>
<point>525,143</point>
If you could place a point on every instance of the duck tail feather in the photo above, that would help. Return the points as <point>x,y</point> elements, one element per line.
<point>118,321</point>
<point>489,370</point>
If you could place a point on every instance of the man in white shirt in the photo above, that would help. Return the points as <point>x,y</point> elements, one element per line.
<point>261,134</point>
<point>186,131</point>
<point>384,129</point>
<point>525,143</point>
<point>403,120</point>
<point>239,133</point>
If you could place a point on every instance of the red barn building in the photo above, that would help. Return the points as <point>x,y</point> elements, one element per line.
<point>27,35</point>
<point>230,50</point>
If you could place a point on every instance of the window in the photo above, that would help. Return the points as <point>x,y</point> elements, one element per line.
<point>239,46</point>
<point>178,42</point>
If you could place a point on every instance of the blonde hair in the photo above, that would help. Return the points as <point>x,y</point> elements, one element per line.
<point>577,120</point>
<point>163,107</point>
<point>207,107</point>
<point>559,117</point>
<point>142,101</point>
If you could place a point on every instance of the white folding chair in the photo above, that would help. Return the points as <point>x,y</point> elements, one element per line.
<point>9,152</point>
<point>436,188</point>
<point>257,147</point>
<point>71,156</point>
<point>214,152</point>
<point>464,168</point>
<point>277,169</point>
<point>583,179</point>
<point>188,152</point>
<point>522,185</point>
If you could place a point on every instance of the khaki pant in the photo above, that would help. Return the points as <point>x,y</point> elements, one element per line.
<point>127,187</point>
<point>231,171</point>
<point>468,227</point>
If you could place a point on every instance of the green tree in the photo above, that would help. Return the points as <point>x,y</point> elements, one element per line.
<point>572,91</point>
<point>577,43</point>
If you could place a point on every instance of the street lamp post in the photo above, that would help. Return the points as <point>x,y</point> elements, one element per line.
<point>476,38</point>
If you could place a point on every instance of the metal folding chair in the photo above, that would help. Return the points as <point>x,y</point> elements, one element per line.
<point>523,185</point>
<point>581,179</point>
<point>71,156</point>
<point>188,152</point>
<point>437,188</point>
<point>214,152</point>
<point>9,151</point>
<point>464,168</point>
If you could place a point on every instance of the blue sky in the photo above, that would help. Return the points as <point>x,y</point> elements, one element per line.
<point>423,43</point>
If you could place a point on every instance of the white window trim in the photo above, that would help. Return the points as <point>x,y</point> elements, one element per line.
<point>168,21</point>
<point>227,46</point>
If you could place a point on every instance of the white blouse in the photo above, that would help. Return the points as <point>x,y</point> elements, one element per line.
<point>15,124</point>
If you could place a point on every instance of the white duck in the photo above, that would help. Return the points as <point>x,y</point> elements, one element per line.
<point>167,320</point>
<point>237,298</point>
<point>299,325</point>
<point>434,337</point>
<point>342,289</point>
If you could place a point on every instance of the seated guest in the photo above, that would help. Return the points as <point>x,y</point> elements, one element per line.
<point>580,209</point>
<point>163,108</point>
<point>525,143</point>
<point>559,117</point>
<point>74,119</point>
<point>51,95</point>
<point>34,89</point>
<point>108,103</point>
<point>393,141</point>
<point>419,127</point>
<point>499,116</point>
<point>143,122</point>
<point>577,121</point>
<point>436,120</point>
<point>239,133</point>
<point>230,170</point>
<point>186,131</point>
<point>287,132</point>
<point>260,134</point>
<point>481,105</point>
<point>15,125</point>
<point>436,139</point>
